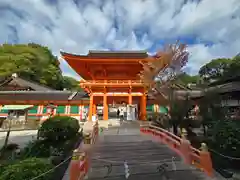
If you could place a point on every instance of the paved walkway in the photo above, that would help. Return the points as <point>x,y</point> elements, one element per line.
<point>123,151</point>
<point>19,137</point>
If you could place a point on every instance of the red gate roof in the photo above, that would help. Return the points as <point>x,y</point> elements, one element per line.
<point>108,65</point>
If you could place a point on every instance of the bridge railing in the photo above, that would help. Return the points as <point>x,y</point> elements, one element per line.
<point>199,158</point>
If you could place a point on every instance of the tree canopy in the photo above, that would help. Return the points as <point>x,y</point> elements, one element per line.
<point>33,62</point>
<point>186,79</point>
<point>233,69</point>
<point>71,83</point>
<point>215,69</point>
<point>220,69</point>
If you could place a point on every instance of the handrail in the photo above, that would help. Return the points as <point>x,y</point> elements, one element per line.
<point>112,81</point>
<point>167,132</point>
<point>79,165</point>
<point>200,158</point>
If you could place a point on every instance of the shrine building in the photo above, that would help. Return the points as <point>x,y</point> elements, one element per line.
<point>111,77</point>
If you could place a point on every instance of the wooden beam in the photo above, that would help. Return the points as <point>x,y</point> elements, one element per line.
<point>43,102</point>
<point>114,60</point>
<point>117,94</point>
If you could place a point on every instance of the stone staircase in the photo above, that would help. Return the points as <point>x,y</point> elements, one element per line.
<point>123,153</point>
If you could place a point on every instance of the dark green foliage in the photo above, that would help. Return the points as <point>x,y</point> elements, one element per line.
<point>221,132</point>
<point>32,62</point>
<point>179,111</point>
<point>11,147</point>
<point>193,123</point>
<point>160,120</point>
<point>233,68</point>
<point>186,79</point>
<point>27,169</point>
<point>220,69</point>
<point>71,83</point>
<point>224,139</point>
<point>59,128</point>
<point>46,148</point>
<point>36,63</point>
<point>210,109</point>
<point>38,148</point>
<point>57,137</point>
<point>214,70</point>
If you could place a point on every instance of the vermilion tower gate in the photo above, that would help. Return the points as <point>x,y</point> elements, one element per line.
<point>111,76</point>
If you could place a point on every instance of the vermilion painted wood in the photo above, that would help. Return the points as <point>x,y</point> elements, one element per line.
<point>200,159</point>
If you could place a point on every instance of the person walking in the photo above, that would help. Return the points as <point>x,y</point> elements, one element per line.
<point>121,114</point>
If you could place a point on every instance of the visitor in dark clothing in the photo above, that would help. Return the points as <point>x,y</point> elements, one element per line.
<point>118,112</point>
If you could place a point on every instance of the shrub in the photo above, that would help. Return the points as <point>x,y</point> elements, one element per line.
<point>161,120</point>
<point>193,123</point>
<point>46,148</point>
<point>12,146</point>
<point>27,169</point>
<point>59,128</point>
<point>38,148</point>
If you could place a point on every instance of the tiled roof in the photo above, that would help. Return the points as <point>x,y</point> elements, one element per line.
<point>228,80</point>
<point>41,96</point>
<point>111,54</point>
<point>4,82</point>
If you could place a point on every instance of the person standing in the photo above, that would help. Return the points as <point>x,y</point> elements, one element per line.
<point>118,112</point>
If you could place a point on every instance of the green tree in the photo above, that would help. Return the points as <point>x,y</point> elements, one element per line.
<point>32,62</point>
<point>186,79</point>
<point>233,68</point>
<point>179,111</point>
<point>71,83</point>
<point>214,70</point>
<point>210,110</point>
<point>224,139</point>
<point>59,128</point>
<point>27,169</point>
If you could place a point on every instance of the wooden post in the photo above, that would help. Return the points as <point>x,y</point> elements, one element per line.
<point>90,110</point>
<point>26,117</point>
<point>185,148</point>
<point>130,96</point>
<point>40,109</point>
<point>67,109</point>
<point>143,104</point>
<point>80,110</point>
<point>105,107</point>
<point>130,99</point>
<point>205,160</point>
<point>74,165</point>
<point>94,109</point>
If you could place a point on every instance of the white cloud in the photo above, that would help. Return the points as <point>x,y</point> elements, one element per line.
<point>113,24</point>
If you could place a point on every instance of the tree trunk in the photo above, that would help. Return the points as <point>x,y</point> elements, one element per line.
<point>204,130</point>
<point>175,129</point>
<point>8,134</point>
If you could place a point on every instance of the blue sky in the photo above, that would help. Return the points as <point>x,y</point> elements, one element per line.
<point>211,28</point>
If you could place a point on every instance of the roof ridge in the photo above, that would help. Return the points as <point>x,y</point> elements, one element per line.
<point>35,83</point>
<point>30,83</point>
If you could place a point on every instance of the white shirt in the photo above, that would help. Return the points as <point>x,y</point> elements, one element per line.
<point>121,113</point>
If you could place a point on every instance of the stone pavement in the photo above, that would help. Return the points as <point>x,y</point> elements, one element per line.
<point>123,151</point>
<point>19,137</point>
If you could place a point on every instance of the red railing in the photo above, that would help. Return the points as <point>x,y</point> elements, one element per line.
<point>79,165</point>
<point>191,155</point>
<point>112,82</point>
<point>166,137</point>
<point>195,157</point>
